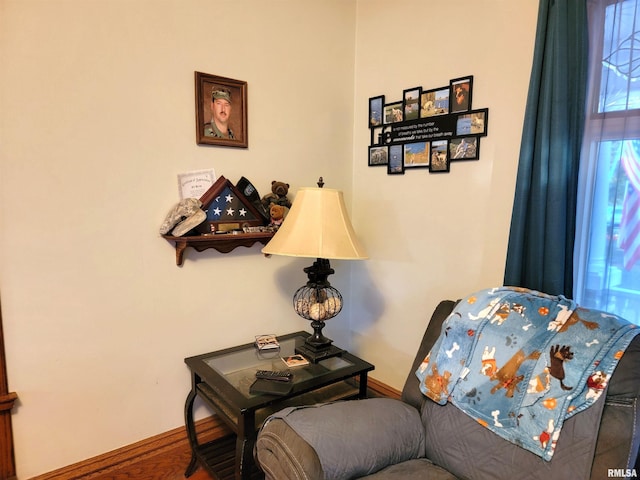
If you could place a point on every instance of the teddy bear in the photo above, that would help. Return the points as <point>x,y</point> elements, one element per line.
<point>278,214</point>
<point>278,195</point>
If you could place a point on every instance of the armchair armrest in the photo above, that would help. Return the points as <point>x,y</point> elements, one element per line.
<point>344,439</point>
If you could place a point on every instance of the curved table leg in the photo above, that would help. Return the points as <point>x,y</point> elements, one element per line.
<point>191,432</point>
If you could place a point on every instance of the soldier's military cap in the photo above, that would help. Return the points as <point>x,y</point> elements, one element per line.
<point>220,93</point>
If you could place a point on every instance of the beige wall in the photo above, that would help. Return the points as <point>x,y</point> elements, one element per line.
<point>434,236</point>
<point>96,121</point>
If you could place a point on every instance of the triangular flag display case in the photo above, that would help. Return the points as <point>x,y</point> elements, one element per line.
<point>229,212</point>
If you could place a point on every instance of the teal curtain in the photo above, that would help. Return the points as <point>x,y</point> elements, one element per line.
<point>541,239</point>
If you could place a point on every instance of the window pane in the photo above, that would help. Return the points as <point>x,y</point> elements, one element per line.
<point>613,270</point>
<point>619,85</point>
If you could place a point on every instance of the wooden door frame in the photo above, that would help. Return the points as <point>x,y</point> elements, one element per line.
<point>7,399</point>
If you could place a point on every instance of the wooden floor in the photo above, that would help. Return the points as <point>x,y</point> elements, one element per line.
<point>200,475</point>
<point>168,466</point>
<point>164,457</point>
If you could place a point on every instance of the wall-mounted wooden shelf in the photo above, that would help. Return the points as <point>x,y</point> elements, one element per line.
<point>223,243</point>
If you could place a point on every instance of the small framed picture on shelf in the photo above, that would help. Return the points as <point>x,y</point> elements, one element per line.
<point>195,184</point>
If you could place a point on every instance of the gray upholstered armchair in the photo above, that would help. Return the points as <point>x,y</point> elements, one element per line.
<point>415,438</point>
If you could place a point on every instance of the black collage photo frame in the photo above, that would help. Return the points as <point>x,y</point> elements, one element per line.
<point>427,128</point>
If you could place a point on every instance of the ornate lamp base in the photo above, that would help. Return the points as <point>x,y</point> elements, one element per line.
<point>318,347</point>
<point>314,355</point>
<point>318,301</point>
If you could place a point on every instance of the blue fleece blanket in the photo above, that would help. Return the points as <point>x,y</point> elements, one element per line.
<point>520,362</point>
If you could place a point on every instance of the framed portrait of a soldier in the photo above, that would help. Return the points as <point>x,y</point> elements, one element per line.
<point>221,111</point>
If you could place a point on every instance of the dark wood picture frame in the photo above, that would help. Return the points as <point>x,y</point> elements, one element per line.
<point>396,160</point>
<point>376,111</point>
<point>236,91</point>
<point>460,95</point>
<point>435,102</point>
<point>440,160</point>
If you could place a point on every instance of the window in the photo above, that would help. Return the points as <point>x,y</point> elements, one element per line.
<point>607,254</point>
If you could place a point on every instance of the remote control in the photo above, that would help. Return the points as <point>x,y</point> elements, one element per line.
<point>280,376</point>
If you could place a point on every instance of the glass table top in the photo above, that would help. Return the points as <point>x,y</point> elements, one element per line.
<point>239,367</point>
